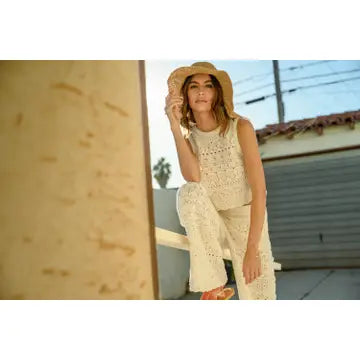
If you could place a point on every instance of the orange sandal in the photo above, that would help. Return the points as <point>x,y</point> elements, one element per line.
<point>225,294</point>
<point>222,294</point>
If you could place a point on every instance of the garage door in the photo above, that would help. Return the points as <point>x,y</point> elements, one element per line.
<point>314,209</point>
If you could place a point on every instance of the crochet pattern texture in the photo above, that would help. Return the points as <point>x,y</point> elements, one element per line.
<point>222,166</point>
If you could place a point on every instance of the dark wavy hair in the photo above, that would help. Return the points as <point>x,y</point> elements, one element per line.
<point>218,106</point>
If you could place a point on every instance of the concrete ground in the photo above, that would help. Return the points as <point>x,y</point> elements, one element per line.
<point>311,284</point>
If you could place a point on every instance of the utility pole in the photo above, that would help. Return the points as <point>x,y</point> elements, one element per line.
<point>280,104</point>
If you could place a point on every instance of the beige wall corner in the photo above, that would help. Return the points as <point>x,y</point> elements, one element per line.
<point>76,207</point>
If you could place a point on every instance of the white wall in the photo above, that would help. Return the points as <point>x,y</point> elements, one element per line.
<point>335,136</point>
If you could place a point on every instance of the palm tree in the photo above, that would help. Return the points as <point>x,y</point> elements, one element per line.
<point>162,172</point>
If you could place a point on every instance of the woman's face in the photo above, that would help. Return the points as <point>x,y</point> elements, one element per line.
<point>201,93</point>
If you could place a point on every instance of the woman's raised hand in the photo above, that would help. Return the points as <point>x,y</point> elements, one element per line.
<point>173,106</point>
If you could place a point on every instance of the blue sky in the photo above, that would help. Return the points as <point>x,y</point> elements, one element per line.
<point>246,76</point>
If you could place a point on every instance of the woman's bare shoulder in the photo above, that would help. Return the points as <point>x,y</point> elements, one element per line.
<point>245,128</point>
<point>244,122</point>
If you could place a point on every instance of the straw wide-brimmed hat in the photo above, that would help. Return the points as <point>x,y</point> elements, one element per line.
<point>178,76</point>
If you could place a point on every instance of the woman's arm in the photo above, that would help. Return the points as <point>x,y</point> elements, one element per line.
<point>256,178</point>
<point>189,165</point>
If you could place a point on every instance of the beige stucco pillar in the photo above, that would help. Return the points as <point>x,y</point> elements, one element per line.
<point>76,217</point>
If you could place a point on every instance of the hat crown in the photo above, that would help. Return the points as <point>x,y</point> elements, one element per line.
<point>204,64</point>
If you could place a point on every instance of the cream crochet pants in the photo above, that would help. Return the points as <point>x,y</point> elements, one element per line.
<point>209,231</point>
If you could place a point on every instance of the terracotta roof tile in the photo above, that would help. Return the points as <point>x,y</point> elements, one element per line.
<point>291,128</point>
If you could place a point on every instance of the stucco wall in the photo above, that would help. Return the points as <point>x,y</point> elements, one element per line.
<point>74,220</point>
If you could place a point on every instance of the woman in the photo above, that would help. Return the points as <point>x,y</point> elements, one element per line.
<point>223,203</point>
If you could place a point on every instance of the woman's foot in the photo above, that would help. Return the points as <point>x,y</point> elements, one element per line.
<point>212,294</point>
<point>219,293</point>
<point>225,294</point>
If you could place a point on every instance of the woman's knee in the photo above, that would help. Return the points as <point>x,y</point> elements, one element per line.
<point>191,190</point>
<point>190,198</point>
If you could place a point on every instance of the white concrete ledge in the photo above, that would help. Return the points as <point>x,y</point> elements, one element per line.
<point>179,241</point>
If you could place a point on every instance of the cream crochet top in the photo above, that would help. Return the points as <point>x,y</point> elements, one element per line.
<point>222,171</point>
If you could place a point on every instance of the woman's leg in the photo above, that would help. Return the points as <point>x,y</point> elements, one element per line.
<point>204,229</point>
<point>237,222</point>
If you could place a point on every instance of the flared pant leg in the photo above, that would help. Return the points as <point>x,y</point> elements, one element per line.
<point>206,234</point>
<point>237,223</point>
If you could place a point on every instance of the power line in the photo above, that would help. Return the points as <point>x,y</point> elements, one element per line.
<point>338,92</point>
<point>337,72</point>
<point>297,79</point>
<point>291,68</point>
<point>307,64</point>
<point>321,75</point>
<point>295,89</point>
<point>326,83</point>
